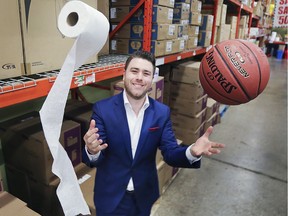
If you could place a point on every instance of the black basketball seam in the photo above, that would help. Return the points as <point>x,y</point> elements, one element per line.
<point>232,72</point>
<point>207,81</point>
<point>260,77</point>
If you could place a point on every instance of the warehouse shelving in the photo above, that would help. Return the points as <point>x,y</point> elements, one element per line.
<point>25,88</point>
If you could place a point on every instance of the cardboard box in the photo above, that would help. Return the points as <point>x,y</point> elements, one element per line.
<point>181,11</point>
<point>213,120</point>
<point>164,31</point>
<point>192,42</point>
<point>187,72</point>
<point>188,122</point>
<point>223,32</point>
<point>185,1</point>
<point>186,91</point>
<point>73,104</point>
<point>159,31</point>
<point>204,38</point>
<point>86,183</point>
<point>103,7</point>
<point>44,46</point>
<point>189,136</point>
<point>195,6</point>
<point>206,22</point>
<point>25,211</point>
<point>25,147</point>
<point>223,14</point>
<point>156,91</point>
<point>11,58</point>
<point>83,117</point>
<point>174,46</point>
<point>195,18</point>
<point>164,175</point>
<point>232,20</point>
<point>181,21</point>
<point>188,107</point>
<point>129,46</point>
<point>162,14</point>
<point>39,196</point>
<point>167,3</point>
<point>117,14</point>
<point>123,2</point>
<point>182,44</point>
<point>211,11</point>
<point>192,31</point>
<point>212,107</point>
<point>9,204</point>
<point>129,30</point>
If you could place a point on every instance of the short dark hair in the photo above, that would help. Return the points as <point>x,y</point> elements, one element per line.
<point>141,54</point>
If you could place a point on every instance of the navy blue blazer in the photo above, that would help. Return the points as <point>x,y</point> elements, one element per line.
<point>116,166</point>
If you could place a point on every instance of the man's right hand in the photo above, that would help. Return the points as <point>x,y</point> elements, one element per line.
<point>92,141</point>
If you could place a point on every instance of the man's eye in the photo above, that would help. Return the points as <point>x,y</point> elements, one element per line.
<point>147,74</point>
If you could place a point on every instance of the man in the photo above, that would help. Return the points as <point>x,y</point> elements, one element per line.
<point>124,134</point>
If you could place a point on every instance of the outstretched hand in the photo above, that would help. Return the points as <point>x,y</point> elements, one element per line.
<point>203,146</point>
<point>92,141</point>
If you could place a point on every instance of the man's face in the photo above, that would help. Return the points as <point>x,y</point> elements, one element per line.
<point>138,78</point>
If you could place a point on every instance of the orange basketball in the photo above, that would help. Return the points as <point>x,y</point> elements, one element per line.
<point>234,72</point>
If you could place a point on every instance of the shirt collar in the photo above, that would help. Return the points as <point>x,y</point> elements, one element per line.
<point>126,101</point>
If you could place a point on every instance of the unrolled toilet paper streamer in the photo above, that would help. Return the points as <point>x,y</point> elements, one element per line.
<point>91,27</point>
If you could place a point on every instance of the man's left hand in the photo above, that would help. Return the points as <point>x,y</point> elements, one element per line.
<point>203,146</point>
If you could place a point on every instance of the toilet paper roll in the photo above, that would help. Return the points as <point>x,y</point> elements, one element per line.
<point>90,27</point>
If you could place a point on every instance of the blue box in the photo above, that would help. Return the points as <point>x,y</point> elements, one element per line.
<point>206,22</point>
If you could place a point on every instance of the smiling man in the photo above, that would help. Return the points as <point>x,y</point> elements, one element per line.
<point>125,132</point>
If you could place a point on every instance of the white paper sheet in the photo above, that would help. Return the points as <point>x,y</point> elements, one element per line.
<point>91,28</point>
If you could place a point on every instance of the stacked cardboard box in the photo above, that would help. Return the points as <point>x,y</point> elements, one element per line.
<point>188,18</point>
<point>86,183</point>
<point>187,102</point>
<point>40,197</point>
<point>11,205</point>
<point>223,28</point>
<point>44,46</point>
<point>11,59</point>
<point>165,172</point>
<point>232,21</point>
<point>31,42</point>
<point>165,71</point>
<point>130,37</point>
<point>212,113</point>
<point>80,112</point>
<point>243,27</point>
<point>28,159</point>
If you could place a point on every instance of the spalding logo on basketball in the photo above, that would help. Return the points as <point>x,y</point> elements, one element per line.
<point>234,72</point>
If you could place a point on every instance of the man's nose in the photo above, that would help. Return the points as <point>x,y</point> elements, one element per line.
<point>140,75</point>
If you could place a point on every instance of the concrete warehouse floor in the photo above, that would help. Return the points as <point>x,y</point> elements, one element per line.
<point>249,177</point>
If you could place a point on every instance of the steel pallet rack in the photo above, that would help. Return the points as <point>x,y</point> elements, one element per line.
<point>25,88</point>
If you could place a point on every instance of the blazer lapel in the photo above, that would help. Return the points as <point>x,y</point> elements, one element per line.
<point>120,112</point>
<point>147,122</point>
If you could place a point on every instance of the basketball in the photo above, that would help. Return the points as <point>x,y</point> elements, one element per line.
<point>234,72</point>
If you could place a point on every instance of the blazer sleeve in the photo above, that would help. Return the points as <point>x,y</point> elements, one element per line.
<point>173,154</point>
